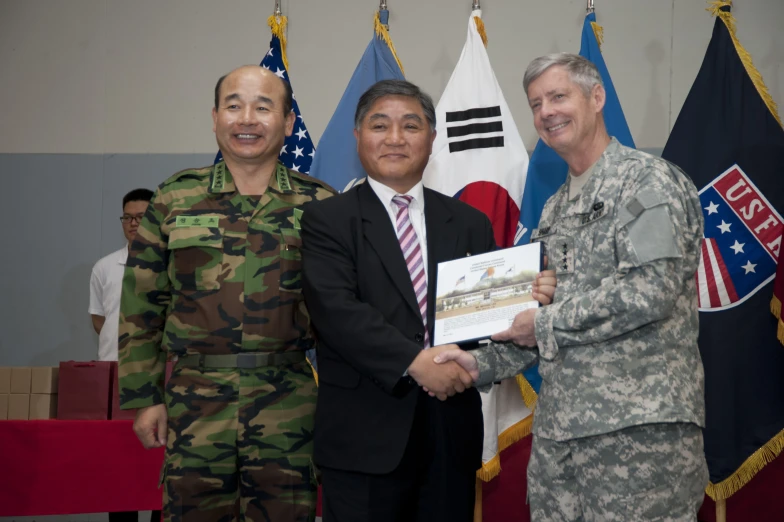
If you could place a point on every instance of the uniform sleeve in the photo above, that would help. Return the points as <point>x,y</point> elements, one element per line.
<point>498,361</point>
<point>651,233</point>
<point>145,299</point>
<point>96,294</point>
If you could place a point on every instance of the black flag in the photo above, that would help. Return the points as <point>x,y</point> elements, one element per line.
<point>729,139</point>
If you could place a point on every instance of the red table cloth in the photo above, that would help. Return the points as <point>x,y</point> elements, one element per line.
<point>60,467</point>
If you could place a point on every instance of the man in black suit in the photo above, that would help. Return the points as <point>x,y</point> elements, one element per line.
<point>387,450</point>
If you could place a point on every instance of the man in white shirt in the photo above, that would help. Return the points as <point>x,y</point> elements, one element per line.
<point>105,290</point>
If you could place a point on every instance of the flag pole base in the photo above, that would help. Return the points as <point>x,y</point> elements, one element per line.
<point>721,510</point>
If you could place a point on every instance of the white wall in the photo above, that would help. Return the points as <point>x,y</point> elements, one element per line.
<point>136,76</point>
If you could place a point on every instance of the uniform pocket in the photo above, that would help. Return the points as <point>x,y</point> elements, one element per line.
<point>290,261</point>
<point>196,258</point>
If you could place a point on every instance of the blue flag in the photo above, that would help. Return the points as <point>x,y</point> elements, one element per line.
<point>298,150</point>
<point>547,171</point>
<point>337,162</point>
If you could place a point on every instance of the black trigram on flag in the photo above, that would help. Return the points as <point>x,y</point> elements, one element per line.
<point>483,120</point>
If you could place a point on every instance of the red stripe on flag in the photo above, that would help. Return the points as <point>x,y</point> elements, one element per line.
<point>494,201</point>
<point>725,276</point>
<point>710,278</point>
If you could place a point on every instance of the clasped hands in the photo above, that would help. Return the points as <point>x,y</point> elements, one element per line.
<point>446,370</point>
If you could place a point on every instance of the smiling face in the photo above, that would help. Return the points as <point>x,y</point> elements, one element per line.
<point>564,117</point>
<point>249,122</point>
<point>394,142</point>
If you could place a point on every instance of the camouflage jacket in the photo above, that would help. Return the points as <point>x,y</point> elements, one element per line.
<point>618,346</point>
<point>212,271</point>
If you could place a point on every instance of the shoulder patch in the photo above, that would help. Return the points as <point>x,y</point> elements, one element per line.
<point>309,180</point>
<point>199,173</point>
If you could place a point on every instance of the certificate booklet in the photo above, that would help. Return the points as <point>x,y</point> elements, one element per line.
<point>478,296</point>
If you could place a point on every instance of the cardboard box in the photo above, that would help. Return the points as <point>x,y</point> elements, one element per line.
<point>3,406</point>
<point>18,406</point>
<point>5,380</point>
<point>44,380</point>
<point>21,380</point>
<point>43,406</point>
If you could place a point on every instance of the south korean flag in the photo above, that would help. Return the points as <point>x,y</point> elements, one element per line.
<point>478,155</point>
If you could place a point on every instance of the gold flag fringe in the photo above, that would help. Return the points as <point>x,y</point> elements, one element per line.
<point>526,390</point>
<point>509,436</point>
<point>278,26</point>
<point>775,308</point>
<point>383,33</point>
<point>766,454</point>
<point>598,32</point>
<point>745,57</point>
<point>315,373</point>
<point>492,468</point>
<point>480,28</point>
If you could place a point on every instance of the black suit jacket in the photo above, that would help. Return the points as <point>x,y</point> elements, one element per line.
<point>362,304</point>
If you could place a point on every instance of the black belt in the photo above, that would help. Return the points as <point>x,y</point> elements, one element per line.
<point>240,360</point>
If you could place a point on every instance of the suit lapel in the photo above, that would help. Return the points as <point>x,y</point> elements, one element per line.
<point>442,235</point>
<point>378,231</point>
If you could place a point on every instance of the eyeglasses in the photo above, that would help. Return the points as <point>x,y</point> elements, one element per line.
<point>125,218</point>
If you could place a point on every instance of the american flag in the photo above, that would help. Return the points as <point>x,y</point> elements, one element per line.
<point>298,150</point>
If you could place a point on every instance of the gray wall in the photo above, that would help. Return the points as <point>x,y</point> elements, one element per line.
<point>102,96</point>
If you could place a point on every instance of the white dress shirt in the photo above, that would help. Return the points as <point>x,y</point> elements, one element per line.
<point>416,211</point>
<point>105,291</point>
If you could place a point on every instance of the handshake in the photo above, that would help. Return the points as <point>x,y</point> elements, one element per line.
<point>445,370</point>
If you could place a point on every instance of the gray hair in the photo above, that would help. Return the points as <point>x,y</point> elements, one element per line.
<point>394,88</point>
<point>581,70</point>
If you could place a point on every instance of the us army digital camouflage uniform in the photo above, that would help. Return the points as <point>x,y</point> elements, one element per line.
<point>213,272</point>
<point>616,428</point>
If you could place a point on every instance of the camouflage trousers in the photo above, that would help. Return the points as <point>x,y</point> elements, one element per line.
<point>240,445</point>
<point>654,472</point>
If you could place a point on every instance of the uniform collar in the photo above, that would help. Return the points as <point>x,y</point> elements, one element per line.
<point>221,181</point>
<point>599,171</point>
<point>385,193</point>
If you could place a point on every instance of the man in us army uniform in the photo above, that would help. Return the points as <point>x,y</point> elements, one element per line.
<point>617,426</point>
<point>213,278</point>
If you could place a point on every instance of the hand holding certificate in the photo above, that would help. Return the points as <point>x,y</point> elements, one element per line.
<point>479,296</point>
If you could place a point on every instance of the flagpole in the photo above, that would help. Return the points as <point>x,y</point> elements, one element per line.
<point>382,8</point>
<point>278,12</point>
<point>721,510</point>
<point>475,6</point>
<point>590,7</point>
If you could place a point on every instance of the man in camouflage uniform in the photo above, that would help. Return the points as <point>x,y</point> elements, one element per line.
<point>214,278</point>
<point>617,426</point>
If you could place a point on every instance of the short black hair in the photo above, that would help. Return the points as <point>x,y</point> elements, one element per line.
<point>288,96</point>
<point>394,88</point>
<point>139,194</point>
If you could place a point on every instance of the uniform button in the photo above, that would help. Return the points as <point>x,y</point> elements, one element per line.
<point>419,337</point>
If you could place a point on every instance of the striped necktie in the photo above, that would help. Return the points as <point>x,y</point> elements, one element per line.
<point>412,253</point>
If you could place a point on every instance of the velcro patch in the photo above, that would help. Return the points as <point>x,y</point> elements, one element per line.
<point>197,221</point>
<point>297,217</point>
